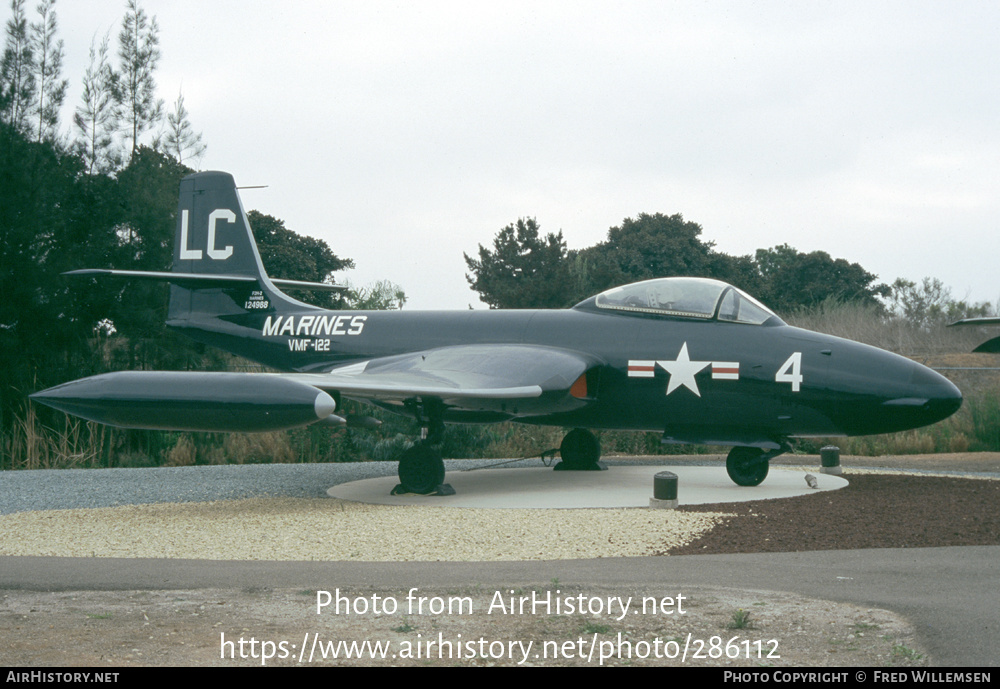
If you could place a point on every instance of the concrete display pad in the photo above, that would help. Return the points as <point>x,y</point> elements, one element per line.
<point>619,486</point>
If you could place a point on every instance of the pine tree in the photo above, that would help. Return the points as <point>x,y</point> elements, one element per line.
<point>17,80</point>
<point>138,50</point>
<point>180,140</point>
<point>48,54</point>
<point>97,118</point>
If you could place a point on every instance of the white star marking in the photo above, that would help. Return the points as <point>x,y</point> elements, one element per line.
<point>683,370</point>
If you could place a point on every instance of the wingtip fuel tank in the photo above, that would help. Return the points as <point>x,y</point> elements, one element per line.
<point>179,401</point>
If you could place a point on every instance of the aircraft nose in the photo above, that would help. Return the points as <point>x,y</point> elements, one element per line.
<point>930,397</point>
<point>943,397</point>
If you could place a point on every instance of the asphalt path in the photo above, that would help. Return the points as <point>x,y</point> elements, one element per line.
<point>949,593</point>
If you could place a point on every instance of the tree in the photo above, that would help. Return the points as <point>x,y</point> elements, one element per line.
<point>181,140</point>
<point>97,117</point>
<point>658,246</point>
<point>792,279</point>
<point>740,271</point>
<point>143,239</point>
<point>649,246</point>
<point>139,52</point>
<point>381,295</point>
<point>523,271</point>
<point>48,67</point>
<point>289,255</point>
<point>930,303</point>
<point>17,80</point>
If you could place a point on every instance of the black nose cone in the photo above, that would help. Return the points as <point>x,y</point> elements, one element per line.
<point>943,397</point>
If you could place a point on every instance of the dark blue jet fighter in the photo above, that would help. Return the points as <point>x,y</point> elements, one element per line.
<point>694,359</point>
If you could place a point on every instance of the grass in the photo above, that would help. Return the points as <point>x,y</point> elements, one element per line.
<point>740,620</point>
<point>901,651</point>
<point>595,628</point>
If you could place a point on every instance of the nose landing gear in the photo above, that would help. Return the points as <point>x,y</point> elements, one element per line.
<point>748,466</point>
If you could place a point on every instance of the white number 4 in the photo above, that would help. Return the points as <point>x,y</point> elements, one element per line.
<point>791,372</point>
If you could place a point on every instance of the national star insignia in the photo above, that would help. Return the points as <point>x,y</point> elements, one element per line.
<point>682,371</point>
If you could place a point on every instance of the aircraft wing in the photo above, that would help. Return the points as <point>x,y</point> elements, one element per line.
<point>498,380</point>
<point>981,320</point>
<point>461,372</point>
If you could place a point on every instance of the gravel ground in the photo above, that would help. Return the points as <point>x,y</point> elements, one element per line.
<point>282,512</point>
<point>65,489</point>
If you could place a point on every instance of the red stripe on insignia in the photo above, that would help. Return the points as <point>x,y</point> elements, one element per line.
<point>641,368</point>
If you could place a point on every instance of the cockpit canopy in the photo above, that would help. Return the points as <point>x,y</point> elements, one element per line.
<point>688,298</point>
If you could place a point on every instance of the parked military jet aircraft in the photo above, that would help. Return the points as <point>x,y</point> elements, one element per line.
<point>695,359</point>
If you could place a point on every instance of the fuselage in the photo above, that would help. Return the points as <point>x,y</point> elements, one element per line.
<point>692,379</point>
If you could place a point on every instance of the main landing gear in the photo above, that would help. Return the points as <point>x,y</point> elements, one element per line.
<point>748,466</point>
<point>580,451</point>
<point>421,468</point>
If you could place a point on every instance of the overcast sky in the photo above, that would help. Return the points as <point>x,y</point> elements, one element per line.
<point>407,133</point>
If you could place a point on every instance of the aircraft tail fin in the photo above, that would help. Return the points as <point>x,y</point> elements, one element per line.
<point>213,234</point>
<point>217,270</point>
<point>218,285</point>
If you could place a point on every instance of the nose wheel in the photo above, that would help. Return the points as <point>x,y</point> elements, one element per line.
<point>748,466</point>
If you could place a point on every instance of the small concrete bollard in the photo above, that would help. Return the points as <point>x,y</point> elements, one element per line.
<point>664,490</point>
<point>829,457</point>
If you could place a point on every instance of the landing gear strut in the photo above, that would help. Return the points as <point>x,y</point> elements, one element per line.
<point>580,451</point>
<point>748,466</point>
<point>421,469</point>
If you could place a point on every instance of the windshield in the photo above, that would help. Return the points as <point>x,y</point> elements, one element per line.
<point>688,297</point>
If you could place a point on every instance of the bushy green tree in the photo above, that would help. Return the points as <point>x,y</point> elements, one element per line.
<point>291,256</point>
<point>657,245</point>
<point>523,270</point>
<point>791,279</point>
<point>646,247</point>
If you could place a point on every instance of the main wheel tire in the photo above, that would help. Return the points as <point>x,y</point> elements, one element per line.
<point>580,449</point>
<point>747,466</point>
<point>421,469</point>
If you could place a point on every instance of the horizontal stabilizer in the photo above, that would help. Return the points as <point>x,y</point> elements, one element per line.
<point>202,279</point>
